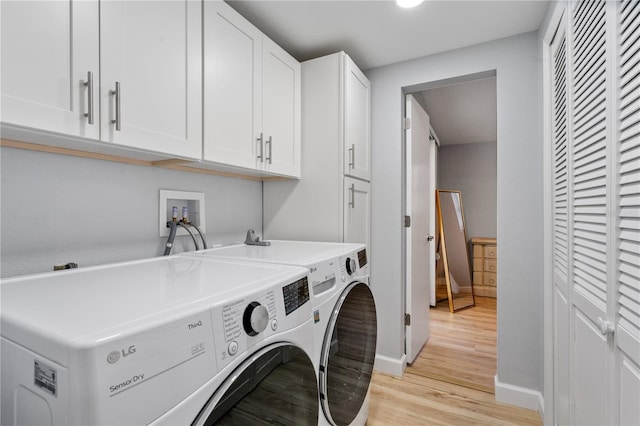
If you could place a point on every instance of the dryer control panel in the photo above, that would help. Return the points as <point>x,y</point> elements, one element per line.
<point>240,324</point>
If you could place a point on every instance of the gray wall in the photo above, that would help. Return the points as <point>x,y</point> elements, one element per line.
<point>519,202</point>
<point>58,209</point>
<point>472,169</point>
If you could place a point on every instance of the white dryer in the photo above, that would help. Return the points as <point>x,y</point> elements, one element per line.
<point>168,341</point>
<point>345,330</point>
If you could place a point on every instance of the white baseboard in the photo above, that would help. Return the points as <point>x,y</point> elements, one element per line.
<point>389,365</point>
<point>519,396</point>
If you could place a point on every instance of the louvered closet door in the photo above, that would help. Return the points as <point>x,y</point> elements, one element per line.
<point>560,182</point>
<point>628,299</point>
<point>596,213</point>
<point>590,356</point>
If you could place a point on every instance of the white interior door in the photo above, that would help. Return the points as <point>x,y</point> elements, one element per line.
<point>418,268</point>
<point>431,211</point>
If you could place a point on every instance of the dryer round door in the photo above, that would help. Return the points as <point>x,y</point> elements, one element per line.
<point>348,353</point>
<point>276,385</point>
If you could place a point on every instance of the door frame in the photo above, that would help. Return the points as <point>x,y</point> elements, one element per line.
<point>407,90</point>
<point>549,316</point>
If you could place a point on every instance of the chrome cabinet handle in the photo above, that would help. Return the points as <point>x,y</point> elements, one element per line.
<point>352,156</point>
<point>89,85</point>
<point>268,142</point>
<point>116,93</point>
<point>352,196</point>
<point>261,156</point>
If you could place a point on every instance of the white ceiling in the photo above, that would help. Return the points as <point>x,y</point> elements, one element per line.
<point>377,33</point>
<point>462,113</point>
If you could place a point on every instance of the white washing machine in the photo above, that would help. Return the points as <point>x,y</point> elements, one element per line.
<point>171,340</point>
<point>345,328</point>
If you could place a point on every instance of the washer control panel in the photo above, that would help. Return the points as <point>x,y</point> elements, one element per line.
<point>354,265</point>
<point>240,324</point>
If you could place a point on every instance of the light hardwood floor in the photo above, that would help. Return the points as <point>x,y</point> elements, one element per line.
<point>451,381</point>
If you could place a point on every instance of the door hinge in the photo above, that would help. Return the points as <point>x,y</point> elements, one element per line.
<point>407,319</point>
<point>407,221</point>
<point>407,123</point>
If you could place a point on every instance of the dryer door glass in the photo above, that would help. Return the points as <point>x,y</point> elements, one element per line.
<point>276,385</point>
<point>348,354</point>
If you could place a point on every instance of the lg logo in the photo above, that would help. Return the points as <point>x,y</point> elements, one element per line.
<point>114,356</point>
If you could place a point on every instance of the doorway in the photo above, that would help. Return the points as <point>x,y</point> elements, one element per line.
<point>462,114</point>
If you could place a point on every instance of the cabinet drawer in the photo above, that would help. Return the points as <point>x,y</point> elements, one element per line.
<point>490,265</point>
<point>477,264</point>
<point>477,250</point>
<point>490,278</point>
<point>477,278</point>
<point>490,251</point>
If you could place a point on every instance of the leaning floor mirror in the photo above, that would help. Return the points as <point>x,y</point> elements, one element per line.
<point>453,251</point>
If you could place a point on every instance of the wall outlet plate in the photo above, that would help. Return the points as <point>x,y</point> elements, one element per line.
<point>194,201</point>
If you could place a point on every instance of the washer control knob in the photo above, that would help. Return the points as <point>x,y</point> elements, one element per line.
<point>350,264</point>
<point>274,324</point>
<point>255,318</point>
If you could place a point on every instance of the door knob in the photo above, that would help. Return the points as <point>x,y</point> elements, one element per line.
<point>429,237</point>
<point>606,328</point>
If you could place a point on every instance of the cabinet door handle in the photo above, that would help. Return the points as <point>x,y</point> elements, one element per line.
<point>268,143</point>
<point>117,120</point>
<point>261,148</point>
<point>89,85</point>
<point>352,196</point>
<point>352,156</point>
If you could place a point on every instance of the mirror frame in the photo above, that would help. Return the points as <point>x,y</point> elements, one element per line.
<point>443,250</point>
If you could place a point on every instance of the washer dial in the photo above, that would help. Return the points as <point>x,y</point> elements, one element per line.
<point>350,265</point>
<point>255,318</point>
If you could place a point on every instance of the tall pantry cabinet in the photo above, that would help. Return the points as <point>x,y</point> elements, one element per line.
<point>331,201</point>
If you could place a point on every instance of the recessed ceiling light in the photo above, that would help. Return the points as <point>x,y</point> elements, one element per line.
<point>408,3</point>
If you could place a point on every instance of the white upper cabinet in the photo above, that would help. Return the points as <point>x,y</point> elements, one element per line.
<point>232,87</point>
<point>151,62</point>
<point>251,96</point>
<point>281,110</point>
<point>356,122</point>
<point>127,73</point>
<point>48,50</point>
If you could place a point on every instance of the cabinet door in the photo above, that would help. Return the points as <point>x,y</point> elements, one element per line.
<point>357,215</point>
<point>281,110</point>
<point>48,47</point>
<point>356,122</point>
<point>151,75</point>
<point>232,87</point>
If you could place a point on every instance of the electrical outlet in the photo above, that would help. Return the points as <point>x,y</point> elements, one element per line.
<point>193,201</point>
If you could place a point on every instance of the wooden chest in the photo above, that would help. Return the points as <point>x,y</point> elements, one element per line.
<point>485,266</point>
